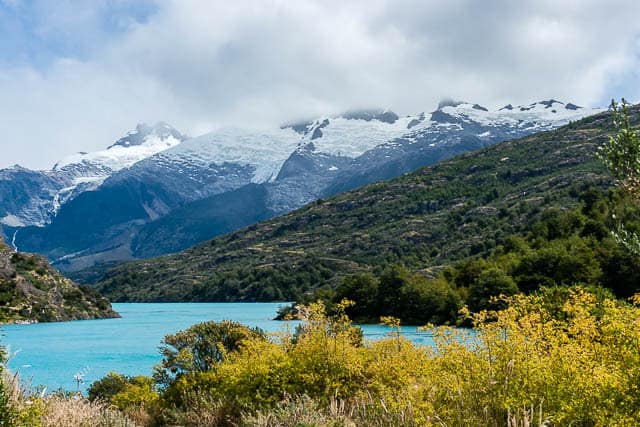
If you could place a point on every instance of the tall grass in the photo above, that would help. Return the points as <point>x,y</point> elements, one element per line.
<point>30,408</point>
<point>305,411</point>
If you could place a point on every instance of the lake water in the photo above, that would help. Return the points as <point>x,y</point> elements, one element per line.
<point>51,354</point>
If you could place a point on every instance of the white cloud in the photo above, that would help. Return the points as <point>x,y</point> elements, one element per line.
<point>199,64</point>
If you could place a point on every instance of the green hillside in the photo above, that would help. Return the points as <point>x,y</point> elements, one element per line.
<point>32,291</point>
<point>460,208</point>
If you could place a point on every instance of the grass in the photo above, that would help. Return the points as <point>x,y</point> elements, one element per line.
<point>37,409</point>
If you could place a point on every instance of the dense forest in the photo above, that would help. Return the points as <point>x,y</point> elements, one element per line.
<point>564,248</point>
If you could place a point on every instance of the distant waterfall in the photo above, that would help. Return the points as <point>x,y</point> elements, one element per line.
<point>13,240</point>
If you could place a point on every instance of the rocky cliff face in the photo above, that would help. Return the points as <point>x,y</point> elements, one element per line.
<point>31,291</point>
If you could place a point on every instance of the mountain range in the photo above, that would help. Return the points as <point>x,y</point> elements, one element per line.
<point>427,220</point>
<point>33,198</point>
<point>156,191</point>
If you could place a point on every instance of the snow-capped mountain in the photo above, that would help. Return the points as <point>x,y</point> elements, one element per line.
<point>541,115</point>
<point>353,133</point>
<point>408,143</point>
<point>142,142</point>
<point>189,190</point>
<point>453,120</point>
<point>34,197</point>
<point>263,152</point>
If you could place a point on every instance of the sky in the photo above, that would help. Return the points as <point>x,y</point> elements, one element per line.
<point>77,75</point>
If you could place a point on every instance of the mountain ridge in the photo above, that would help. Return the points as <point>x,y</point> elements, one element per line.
<point>455,209</point>
<point>164,194</point>
<point>34,197</point>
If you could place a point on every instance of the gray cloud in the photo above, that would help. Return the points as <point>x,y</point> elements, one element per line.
<point>201,64</point>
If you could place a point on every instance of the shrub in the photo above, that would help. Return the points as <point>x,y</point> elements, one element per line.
<point>7,414</point>
<point>107,387</point>
<point>200,347</point>
<point>138,393</point>
<point>563,356</point>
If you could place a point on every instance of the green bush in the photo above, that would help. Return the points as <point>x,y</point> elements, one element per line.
<point>108,386</point>
<point>200,347</point>
<point>139,392</point>
<point>490,283</point>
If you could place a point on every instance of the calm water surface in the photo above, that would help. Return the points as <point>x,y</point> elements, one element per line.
<point>51,354</point>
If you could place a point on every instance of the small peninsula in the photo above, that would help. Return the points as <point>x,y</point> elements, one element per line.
<point>31,291</point>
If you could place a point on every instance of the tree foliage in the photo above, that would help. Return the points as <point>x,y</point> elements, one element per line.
<point>200,347</point>
<point>108,386</point>
<point>564,248</point>
<point>621,155</point>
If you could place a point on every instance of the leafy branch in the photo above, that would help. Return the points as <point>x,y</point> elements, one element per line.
<point>621,155</point>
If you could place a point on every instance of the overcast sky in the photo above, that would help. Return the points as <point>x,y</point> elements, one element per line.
<point>76,75</point>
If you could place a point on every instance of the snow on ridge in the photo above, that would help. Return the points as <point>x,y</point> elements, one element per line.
<point>347,137</point>
<point>87,171</point>
<point>119,157</point>
<point>265,151</point>
<point>12,221</point>
<point>544,114</point>
<point>342,136</point>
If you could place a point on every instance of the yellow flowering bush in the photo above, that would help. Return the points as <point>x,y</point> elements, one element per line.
<point>564,356</point>
<point>138,392</point>
<point>524,363</point>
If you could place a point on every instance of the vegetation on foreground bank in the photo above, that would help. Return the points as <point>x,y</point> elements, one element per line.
<point>560,357</point>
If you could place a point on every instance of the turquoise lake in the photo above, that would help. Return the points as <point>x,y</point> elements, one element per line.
<point>51,354</point>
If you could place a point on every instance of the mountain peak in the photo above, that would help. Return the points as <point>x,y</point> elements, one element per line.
<point>449,102</point>
<point>142,131</point>
<point>550,104</point>
<point>301,127</point>
<point>138,144</point>
<point>367,114</point>
<point>382,115</point>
